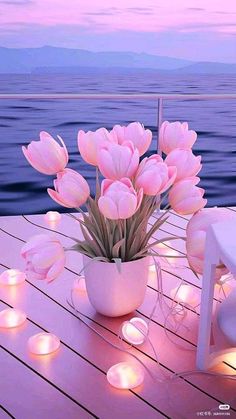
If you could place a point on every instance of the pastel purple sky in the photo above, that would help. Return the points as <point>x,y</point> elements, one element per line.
<point>193,29</point>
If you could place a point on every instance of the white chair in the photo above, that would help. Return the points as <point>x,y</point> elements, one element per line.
<point>220,248</point>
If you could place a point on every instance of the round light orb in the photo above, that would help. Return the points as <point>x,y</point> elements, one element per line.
<point>152,268</point>
<point>80,285</point>
<point>125,375</point>
<point>163,245</point>
<point>10,317</point>
<point>135,331</point>
<point>184,294</point>
<point>170,257</point>
<point>43,343</point>
<point>12,277</point>
<point>52,218</point>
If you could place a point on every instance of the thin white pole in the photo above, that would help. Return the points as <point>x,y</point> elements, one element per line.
<point>143,96</point>
<point>159,122</point>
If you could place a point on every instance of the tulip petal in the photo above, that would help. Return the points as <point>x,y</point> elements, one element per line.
<point>55,270</point>
<point>57,198</point>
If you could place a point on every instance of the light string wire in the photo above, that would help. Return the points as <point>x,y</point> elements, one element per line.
<point>79,314</point>
<point>174,309</point>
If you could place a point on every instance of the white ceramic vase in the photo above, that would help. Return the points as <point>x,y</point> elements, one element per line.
<point>113,293</point>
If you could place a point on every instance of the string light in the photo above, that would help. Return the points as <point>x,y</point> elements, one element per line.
<point>184,294</point>
<point>52,218</point>
<point>10,317</point>
<point>43,343</point>
<point>12,277</point>
<point>80,285</point>
<point>135,331</point>
<point>125,375</point>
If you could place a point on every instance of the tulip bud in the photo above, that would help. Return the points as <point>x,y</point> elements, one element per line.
<point>46,155</point>
<point>185,197</point>
<point>71,189</point>
<point>176,135</point>
<point>119,200</point>
<point>44,256</point>
<point>154,176</point>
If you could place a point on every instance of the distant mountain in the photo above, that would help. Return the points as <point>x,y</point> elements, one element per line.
<point>209,68</point>
<point>64,60</point>
<point>24,60</point>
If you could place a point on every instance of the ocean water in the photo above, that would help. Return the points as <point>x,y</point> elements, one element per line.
<point>23,190</point>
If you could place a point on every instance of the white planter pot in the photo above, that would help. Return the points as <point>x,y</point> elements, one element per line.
<point>114,293</point>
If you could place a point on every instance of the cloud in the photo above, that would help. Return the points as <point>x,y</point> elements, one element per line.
<point>140,9</point>
<point>225,13</point>
<point>110,11</point>
<point>196,9</point>
<point>17,2</point>
<point>206,25</point>
<point>100,13</point>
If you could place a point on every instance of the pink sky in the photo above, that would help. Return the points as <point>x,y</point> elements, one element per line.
<point>201,25</point>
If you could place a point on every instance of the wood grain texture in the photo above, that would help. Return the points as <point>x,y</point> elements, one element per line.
<point>86,355</point>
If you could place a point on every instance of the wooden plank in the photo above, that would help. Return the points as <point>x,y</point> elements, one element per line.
<point>171,284</point>
<point>34,397</point>
<point>82,340</point>
<point>5,414</point>
<point>53,284</point>
<point>180,270</point>
<point>68,226</point>
<point>74,374</point>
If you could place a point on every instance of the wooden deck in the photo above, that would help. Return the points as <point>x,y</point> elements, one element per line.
<point>71,383</point>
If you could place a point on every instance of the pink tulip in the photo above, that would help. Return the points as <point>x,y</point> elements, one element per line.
<point>46,155</point>
<point>119,200</point>
<point>186,163</point>
<point>196,236</point>
<point>134,132</point>
<point>154,176</point>
<point>176,135</point>
<point>185,197</point>
<point>45,257</point>
<point>71,189</point>
<point>90,143</point>
<point>117,161</point>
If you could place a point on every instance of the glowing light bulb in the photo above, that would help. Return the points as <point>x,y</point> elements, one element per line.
<point>152,268</point>
<point>80,285</point>
<point>225,278</point>
<point>11,317</point>
<point>171,260</point>
<point>165,250</point>
<point>43,343</point>
<point>184,294</point>
<point>125,375</point>
<point>163,245</point>
<point>135,331</point>
<point>52,218</point>
<point>12,277</point>
<point>230,358</point>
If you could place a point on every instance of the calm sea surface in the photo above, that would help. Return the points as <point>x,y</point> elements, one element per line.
<point>23,190</point>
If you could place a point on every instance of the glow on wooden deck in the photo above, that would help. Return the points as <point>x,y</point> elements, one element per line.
<point>71,382</point>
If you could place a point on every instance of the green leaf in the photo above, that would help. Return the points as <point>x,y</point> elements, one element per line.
<point>118,263</point>
<point>116,248</point>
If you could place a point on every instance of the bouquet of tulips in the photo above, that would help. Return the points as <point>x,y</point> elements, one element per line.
<point>115,223</point>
